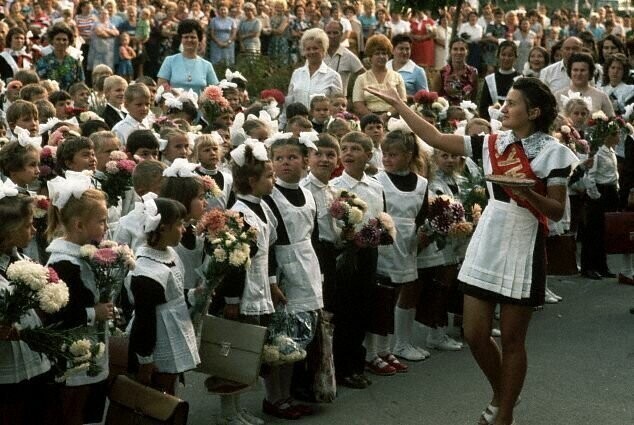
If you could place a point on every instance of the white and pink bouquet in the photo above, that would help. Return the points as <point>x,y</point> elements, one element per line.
<point>110,263</point>
<point>446,218</point>
<point>211,187</point>
<point>348,209</point>
<point>377,231</point>
<point>118,177</point>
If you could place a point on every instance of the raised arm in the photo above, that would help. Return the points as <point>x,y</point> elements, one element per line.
<point>447,142</point>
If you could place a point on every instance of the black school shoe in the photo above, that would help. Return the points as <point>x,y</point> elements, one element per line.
<point>353,381</point>
<point>591,274</point>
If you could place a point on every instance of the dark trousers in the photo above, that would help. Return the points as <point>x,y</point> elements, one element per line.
<point>327,256</point>
<point>354,286</point>
<point>593,255</point>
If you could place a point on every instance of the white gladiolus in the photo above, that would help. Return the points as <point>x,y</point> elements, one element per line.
<point>599,115</point>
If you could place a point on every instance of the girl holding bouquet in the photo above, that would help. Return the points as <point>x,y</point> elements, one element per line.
<point>405,195</point>
<point>79,215</point>
<point>298,269</point>
<point>208,152</point>
<point>505,261</point>
<point>23,373</point>
<point>162,339</point>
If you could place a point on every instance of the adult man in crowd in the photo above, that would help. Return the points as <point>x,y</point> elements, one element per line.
<point>555,75</point>
<point>340,58</point>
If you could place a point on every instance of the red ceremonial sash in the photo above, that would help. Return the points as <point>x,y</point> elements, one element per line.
<point>514,162</point>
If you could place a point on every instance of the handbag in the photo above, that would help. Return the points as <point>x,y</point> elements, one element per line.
<point>231,350</point>
<point>561,255</point>
<point>619,233</point>
<point>132,403</point>
<point>325,384</point>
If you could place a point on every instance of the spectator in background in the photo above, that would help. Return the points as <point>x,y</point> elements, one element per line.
<point>168,28</point>
<point>222,34</point>
<point>494,32</point>
<point>298,26</point>
<point>249,31</point>
<point>526,39</point>
<point>14,57</point>
<point>472,32</point>
<point>102,42</point>
<point>279,50</point>
<point>595,26</point>
<point>422,32</point>
<point>398,25</point>
<point>340,58</point>
<point>555,75</point>
<point>458,81</point>
<point>382,23</point>
<point>535,26</point>
<point>413,75</point>
<point>59,65</point>
<point>538,59</point>
<point>85,20</point>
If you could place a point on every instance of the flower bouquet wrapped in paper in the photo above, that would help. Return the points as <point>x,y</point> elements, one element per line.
<point>228,246</point>
<point>600,127</point>
<point>48,164</point>
<point>281,348</point>
<point>118,177</point>
<point>446,218</point>
<point>348,209</point>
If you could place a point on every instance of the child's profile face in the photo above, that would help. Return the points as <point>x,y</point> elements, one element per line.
<point>320,111</point>
<point>60,108</point>
<point>209,155</point>
<point>338,106</point>
<point>116,95</point>
<point>30,172</point>
<point>21,236</point>
<point>197,206</point>
<point>94,226</point>
<point>177,147</point>
<point>354,157</point>
<point>146,153</point>
<point>375,132</point>
<point>84,159</point>
<point>259,133</point>
<point>226,119</point>
<point>263,185</point>
<point>234,102</point>
<point>579,116</point>
<point>80,99</point>
<point>29,123</point>
<point>106,148</point>
<point>323,162</point>
<point>172,234</point>
<point>138,108</point>
<point>396,159</point>
<point>226,139</point>
<point>288,163</point>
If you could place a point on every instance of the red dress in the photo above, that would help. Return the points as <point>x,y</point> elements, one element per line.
<point>422,51</point>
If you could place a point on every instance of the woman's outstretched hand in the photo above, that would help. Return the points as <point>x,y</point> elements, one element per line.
<point>389,95</point>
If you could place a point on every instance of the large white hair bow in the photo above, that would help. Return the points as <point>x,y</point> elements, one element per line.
<point>495,113</point>
<point>8,188</point>
<point>159,94</point>
<point>576,95</point>
<point>272,109</point>
<point>50,123</point>
<point>265,117</point>
<point>308,139</point>
<point>189,95</point>
<point>469,108</point>
<point>628,111</point>
<point>150,212</point>
<point>394,124</point>
<point>238,135</point>
<point>224,84</point>
<point>316,95</point>
<point>257,148</point>
<point>24,138</point>
<point>230,76</point>
<point>191,139</point>
<point>277,136</point>
<point>181,168</point>
<point>172,102</point>
<point>162,142</point>
<point>60,189</point>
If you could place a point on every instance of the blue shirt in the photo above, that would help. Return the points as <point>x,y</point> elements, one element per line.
<point>414,77</point>
<point>184,73</point>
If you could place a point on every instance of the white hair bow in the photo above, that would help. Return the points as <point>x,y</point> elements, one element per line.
<point>308,139</point>
<point>576,95</point>
<point>316,95</point>
<point>628,111</point>
<point>495,113</point>
<point>61,189</point>
<point>188,95</point>
<point>461,128</point>
<point>50,123</point>
<point>224,84</point>
<point>8,188</point>
<point>162,142</point>
<point>265,117</point>
<point>172,102</point>
<point>24,138</point>
<point>272,109</point>
<point>394,124</point>
<point>191,139</point>
<point>257,148</point>
<point>238,135</point>
<point>230,76</point>
<point>496,125</point>
<point>181,168</point>
<point>217,137</point>
<point>150,212</point>
<point>469,108</point>
<point>278,135</point>
<point>159,94</point>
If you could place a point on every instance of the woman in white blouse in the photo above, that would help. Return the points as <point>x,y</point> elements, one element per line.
<point>315,77</point>
<point>615,69</point>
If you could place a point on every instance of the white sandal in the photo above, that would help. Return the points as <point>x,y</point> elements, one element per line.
<point>489,415</point>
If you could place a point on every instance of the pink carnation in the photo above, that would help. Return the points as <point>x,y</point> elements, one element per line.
<point>53,277</point>
<point>118,155</point>
<point>48,152</point>
<point>337,210</point>
<point>58,135</point>
<point>126,165</point>
<point>105,256</point>
<point>213,221</point>
<point>111,167</point>
<point>213,92</point>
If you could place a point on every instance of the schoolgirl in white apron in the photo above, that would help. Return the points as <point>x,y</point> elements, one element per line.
<point>498,83</point>
<point>224,181</point>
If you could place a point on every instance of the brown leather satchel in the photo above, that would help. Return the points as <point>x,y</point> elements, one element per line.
<point>132,403</point>
<point>619,232</point>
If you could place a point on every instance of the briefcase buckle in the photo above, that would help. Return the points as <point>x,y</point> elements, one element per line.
<point>225,348</point>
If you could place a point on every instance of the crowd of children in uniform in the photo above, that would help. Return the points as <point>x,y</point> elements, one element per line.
<point>282,188</point>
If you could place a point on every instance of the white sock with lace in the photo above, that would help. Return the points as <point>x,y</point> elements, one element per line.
<point>383,345</point>
<point>403,321</point>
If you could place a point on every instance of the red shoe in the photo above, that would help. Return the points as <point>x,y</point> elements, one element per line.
<point>393,361</point>
<point>303,409</point>
<point>281,409</point>
<point>624,280</point>
<point>379,367</point>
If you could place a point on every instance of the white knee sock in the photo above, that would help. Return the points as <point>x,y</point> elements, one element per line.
<point>626,265</point>
<point>286,378</point>
<point>383,345</point>
<point>228,406</point>
<point>403,321</point>
<point>370,346</point>
<point>272,385</point>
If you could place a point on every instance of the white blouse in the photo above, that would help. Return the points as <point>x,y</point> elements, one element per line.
<point>325,81</point>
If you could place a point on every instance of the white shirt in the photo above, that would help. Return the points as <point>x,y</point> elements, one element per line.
<point>603,171</point>
<point>325,81</point>
<point>400,27</point>
<point>345,63</point>
<point>323,194</point>
<point>475,32</point>
<point>555,76</point>
<point>126,126</point>
<point>368,189</point>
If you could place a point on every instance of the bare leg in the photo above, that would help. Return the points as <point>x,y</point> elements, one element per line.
<point>478,317</point>
<point>514,322</point>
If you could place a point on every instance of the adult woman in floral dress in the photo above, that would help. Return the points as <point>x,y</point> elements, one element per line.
<point>458,81</point>
<point>505,262</point>
<point>59,65</point>
<point>279,50</point>
<point>167,31</point>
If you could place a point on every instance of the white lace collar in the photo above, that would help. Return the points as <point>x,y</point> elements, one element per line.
<point>532,144</point>
<point>166,257</point>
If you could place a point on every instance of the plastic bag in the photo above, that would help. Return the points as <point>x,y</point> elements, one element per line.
<point>289,334</point>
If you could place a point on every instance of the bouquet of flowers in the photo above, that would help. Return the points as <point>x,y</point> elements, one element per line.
<point>348,209</point>
<point>213,104</point>
<point>280,347</point>
<point>426,100</point>
<point>70,351</point>
<point>377,231</point>
<point>601,127</point>
<point>48,164</point>
<point>228,246</point>
<point>118,177</point>
<point>31,286</point>
<point>110,263</point>
<point>473,198</point>
<point>446,218</point>
<point>211,188</point>
<point>40,222</point>
<point>570,137</point>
